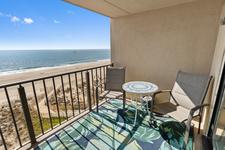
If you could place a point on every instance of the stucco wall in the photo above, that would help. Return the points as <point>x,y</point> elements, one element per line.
<point>154,45</point>
<point>217,66</point>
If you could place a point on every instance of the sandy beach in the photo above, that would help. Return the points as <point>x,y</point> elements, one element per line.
<point>44,72</point>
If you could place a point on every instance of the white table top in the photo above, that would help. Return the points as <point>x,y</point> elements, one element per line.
<point>140,87</point>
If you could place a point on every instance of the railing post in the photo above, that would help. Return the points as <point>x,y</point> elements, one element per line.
<point>27,115</point>
<point>88,90</point>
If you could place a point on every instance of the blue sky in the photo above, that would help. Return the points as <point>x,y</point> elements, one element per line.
<point>51,24</point>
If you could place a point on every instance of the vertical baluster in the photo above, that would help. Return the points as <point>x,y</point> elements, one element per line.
<point>96,75</point>
<point>104,77</point>
<point>37,104</point>
<point>101,78</point>
<point>78,97</point>
<point>47,102</point>
<point>93,87</point>
<point>13,116</point>
<point>97,82</point>
<point>97,100</point>
<point>3,139</point>
<point>82,83</point>
<point>64,97</point>
<point>56,100</point>
<point>71,94</point>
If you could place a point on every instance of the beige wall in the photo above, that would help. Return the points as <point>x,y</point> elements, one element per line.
<point>217,65</point>
<point>154,45</point>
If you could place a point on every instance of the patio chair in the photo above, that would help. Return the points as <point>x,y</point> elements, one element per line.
<point>186,99</point>
<point>115,78</point>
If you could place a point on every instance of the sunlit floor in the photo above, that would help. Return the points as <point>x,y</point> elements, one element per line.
<point>113,129</point>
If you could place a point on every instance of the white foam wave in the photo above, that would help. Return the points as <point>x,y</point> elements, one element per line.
<point>46,68</point>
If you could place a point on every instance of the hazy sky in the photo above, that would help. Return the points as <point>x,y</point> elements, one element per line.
<point>51,24</point>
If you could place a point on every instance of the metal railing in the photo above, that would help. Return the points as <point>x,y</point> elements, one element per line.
<point>32,108</point>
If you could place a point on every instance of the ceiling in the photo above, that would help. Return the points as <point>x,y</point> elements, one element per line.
<point>119,8</point>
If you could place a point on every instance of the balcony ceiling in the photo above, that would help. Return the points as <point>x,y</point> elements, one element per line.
<point>118,8</point>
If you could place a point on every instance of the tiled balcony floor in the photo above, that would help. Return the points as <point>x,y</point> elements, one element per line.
<point>110,129</point>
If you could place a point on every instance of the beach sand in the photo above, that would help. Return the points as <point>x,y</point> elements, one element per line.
<point>38,73</point>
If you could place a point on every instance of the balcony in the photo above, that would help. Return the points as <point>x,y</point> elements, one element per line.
<point>59,112</point>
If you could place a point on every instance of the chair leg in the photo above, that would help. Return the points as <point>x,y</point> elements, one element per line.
<point>124,99</point>
<point>135,119</point>
<point>148,109</point>
<point>142,105</point>
<point>199,124</point>
<point>136,111</point>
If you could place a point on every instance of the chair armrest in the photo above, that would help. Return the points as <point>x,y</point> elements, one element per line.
<point>193,110</point>
<point>190,117</point>
<point>162,91</point>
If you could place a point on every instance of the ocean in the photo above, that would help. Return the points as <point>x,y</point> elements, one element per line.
<point>12,61</point>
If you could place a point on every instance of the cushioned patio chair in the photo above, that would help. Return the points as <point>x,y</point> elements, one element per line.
<point>115,78</point>
<point>186,99</point>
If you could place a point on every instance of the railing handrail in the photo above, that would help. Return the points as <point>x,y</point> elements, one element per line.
<point>51,76</point>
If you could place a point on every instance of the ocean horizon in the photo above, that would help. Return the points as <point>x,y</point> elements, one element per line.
<point>17,61</point>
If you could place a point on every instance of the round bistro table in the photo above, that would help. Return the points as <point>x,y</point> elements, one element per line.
<point>141,89</point>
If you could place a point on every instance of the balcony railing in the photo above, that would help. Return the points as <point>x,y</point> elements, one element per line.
<point>32,108</point>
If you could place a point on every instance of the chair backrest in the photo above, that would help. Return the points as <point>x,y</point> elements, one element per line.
<point>190,89</point>
<point>115,78</point>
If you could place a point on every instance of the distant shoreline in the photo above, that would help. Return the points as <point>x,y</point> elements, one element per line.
<point>18,61</point>
<point>51,49</point>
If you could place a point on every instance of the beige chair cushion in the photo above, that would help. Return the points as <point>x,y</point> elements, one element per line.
<point>110,94</point>
<point>180,114</point>
<point>177,112</point>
